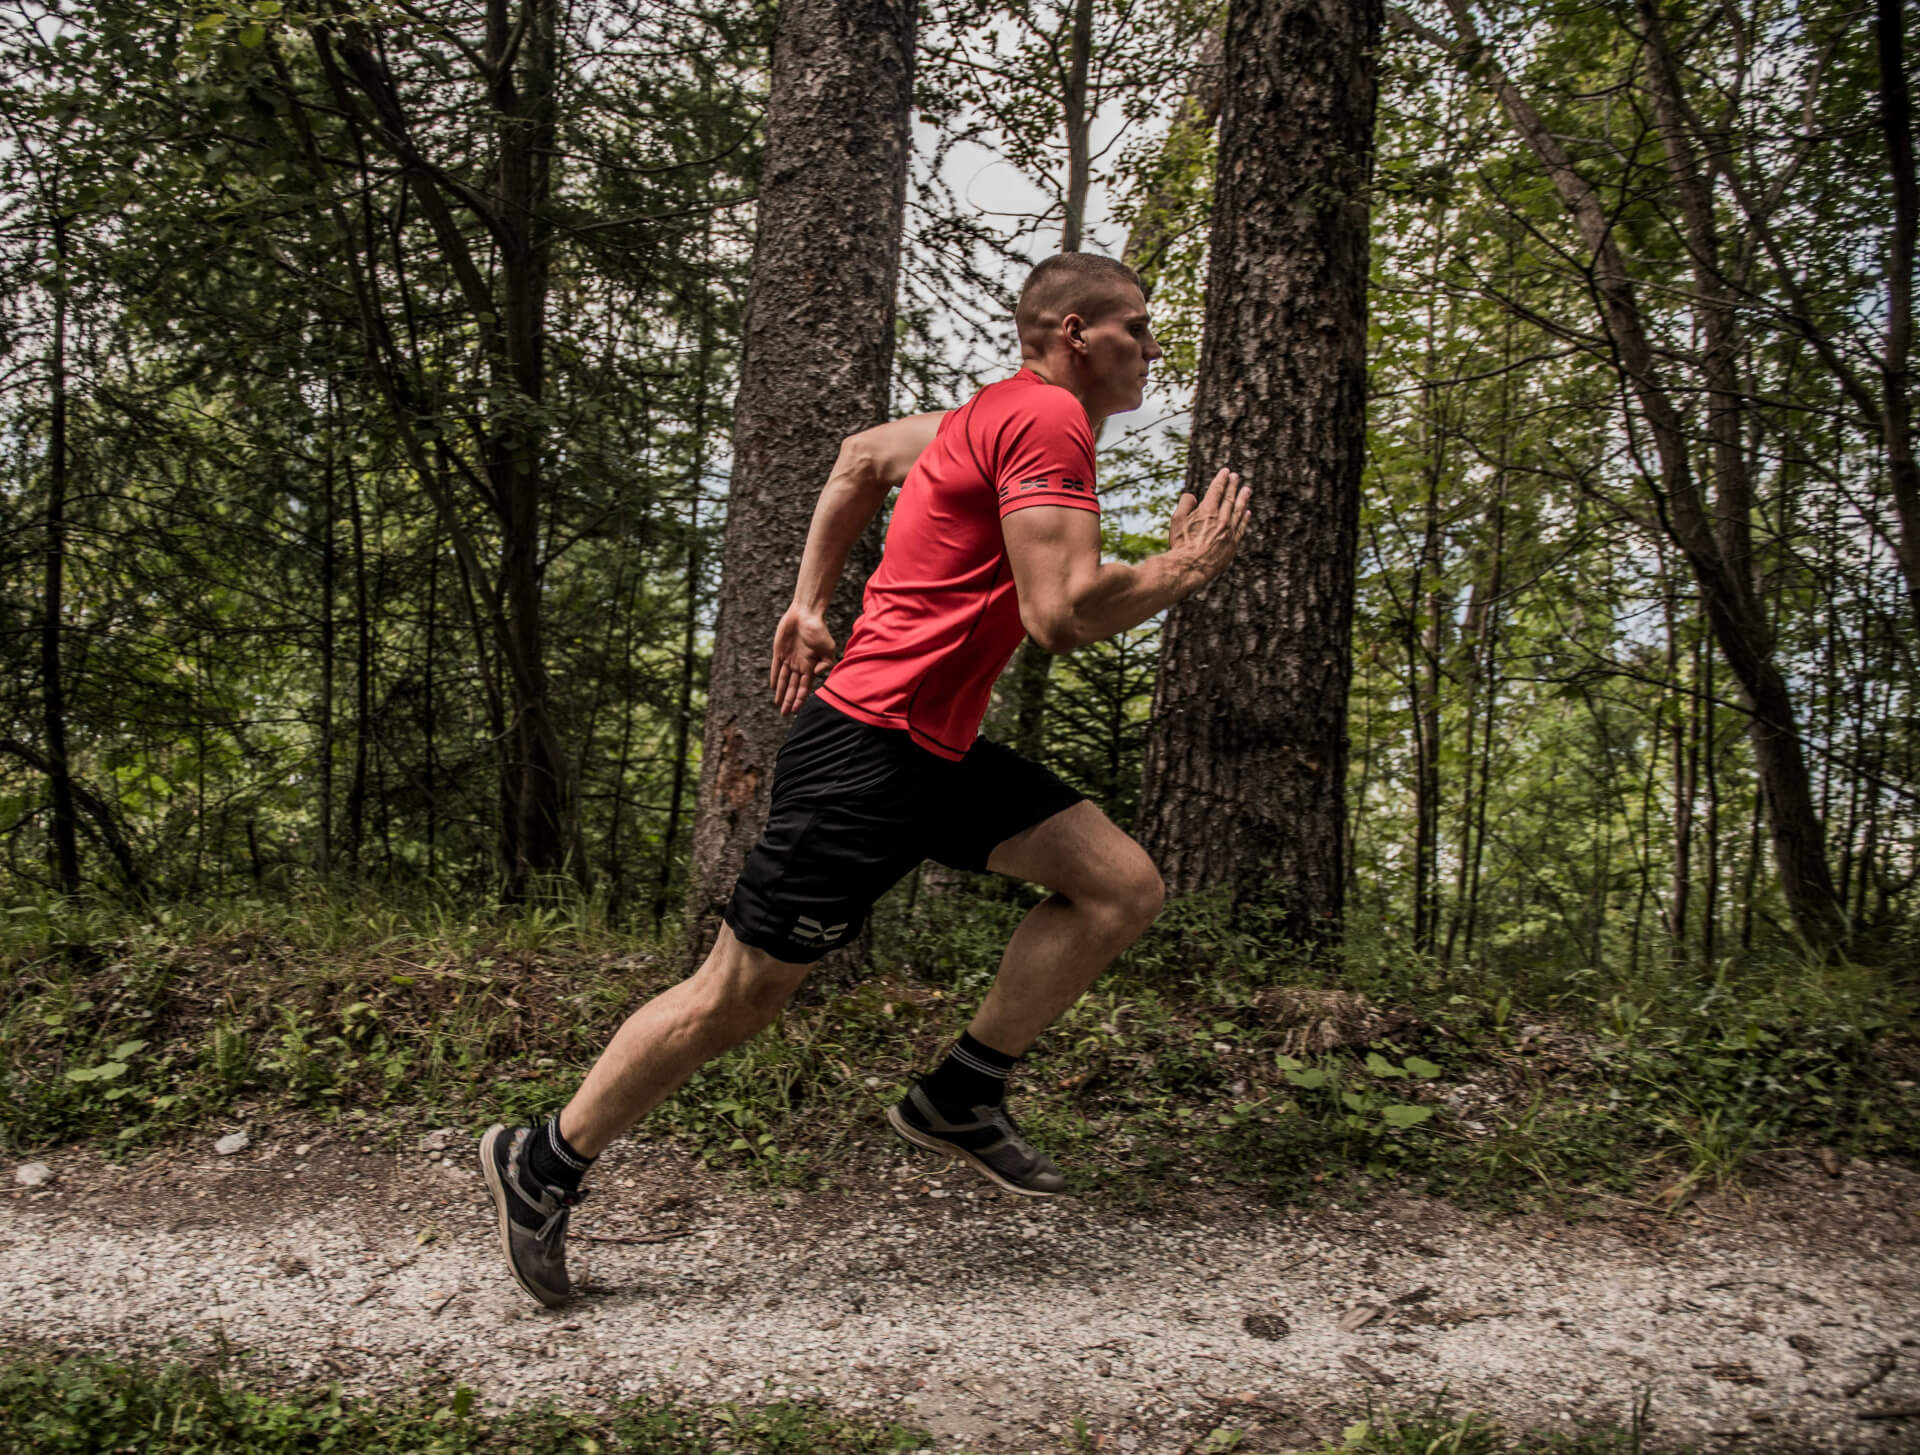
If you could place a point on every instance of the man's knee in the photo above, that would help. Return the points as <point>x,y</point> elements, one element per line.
<point>746,987</point>
<point>1132,891</point>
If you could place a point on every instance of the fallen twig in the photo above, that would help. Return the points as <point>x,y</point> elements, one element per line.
<point>1652,1207</point>
<point>667,1237</point>
<point>1891,1412</point>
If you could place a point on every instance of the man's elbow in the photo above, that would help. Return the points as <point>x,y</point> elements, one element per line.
<point>1053,634</point>
<point>862,465</point>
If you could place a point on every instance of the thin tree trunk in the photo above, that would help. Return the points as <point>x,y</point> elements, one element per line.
<point>323,752</point>
<point>683,717</point>
<point>1703,674</point>
<point>1079,124</point>
<point>1032,668</point>
<point>1246,760</point>
<point>1714,536</point>
<point>816,359</point>
<point>362,678</point>
<point>1199,112</point>
<point>66,851</point>
<point>1896,384</point>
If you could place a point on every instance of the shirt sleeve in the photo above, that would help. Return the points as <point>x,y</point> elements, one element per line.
<point>1044,455</point>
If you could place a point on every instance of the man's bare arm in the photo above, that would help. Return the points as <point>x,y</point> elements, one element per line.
<point>1069,597</point>
<point>870,466</point>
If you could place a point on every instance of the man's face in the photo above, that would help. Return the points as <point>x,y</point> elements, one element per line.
<point>1119,346</point>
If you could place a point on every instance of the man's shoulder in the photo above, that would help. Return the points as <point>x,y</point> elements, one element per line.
<point>1026,399</point>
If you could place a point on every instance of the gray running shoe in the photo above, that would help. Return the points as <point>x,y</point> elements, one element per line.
<point>992,1143</point>
<point>533,1217</point>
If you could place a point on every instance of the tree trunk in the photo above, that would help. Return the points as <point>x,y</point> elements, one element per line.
<point>546,834</point>
<point>66,851</point>
<point>1896,405</point>
<point>1152,232</point>
<point>1713,533</point>
<point>1032,673</point>
<point>362,679</point>
<point>1246,761</point>
<point>816,358</point>
<point>323,751</point>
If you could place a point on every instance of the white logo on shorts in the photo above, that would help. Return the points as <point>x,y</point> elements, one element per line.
<point>810,930</point>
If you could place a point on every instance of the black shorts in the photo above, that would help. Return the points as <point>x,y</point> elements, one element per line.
<point>854,808</point>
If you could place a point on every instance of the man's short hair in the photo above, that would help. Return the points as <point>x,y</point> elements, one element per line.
<point>1082,283</point>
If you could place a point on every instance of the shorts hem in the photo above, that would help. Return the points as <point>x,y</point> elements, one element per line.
<point>773,943</point>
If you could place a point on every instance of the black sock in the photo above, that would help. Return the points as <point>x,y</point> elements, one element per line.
<point>973,1075</point>
<point>552,1161</point>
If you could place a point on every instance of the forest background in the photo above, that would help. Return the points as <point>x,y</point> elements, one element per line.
<point>271,619</point>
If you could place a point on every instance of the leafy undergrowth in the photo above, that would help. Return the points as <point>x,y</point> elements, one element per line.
<point>1211,1055</point>
<point>1391,1432</point>
<point>90,1404</point>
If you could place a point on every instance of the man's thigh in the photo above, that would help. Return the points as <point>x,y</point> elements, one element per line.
<point>1078,852</point>
<point>992,795</point>
<point>840,832</point>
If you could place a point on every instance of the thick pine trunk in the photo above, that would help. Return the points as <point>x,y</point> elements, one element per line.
<point>816,358</point>
<point>1246,761</point>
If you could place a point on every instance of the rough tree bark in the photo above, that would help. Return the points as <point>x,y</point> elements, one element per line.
<point>816,357</point>
<point>1246,761</point>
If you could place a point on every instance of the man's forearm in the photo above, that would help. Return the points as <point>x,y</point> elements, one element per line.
<point>852,497</point>
<point>1120,596</point>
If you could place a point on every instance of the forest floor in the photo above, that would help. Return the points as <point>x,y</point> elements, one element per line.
<point>1781,1317</point>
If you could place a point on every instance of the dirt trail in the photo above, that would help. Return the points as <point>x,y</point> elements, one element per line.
<point>1766,1324</point>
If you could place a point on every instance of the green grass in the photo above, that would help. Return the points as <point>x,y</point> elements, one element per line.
<point>1388,1432</point>
<point>90,1406</point>
<point>1212,1054</point>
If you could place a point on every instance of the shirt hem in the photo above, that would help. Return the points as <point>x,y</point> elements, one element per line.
<point>895,722</point>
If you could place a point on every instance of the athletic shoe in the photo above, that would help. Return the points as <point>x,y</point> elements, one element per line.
<point>991,1142</point>
<point>533,1217</point>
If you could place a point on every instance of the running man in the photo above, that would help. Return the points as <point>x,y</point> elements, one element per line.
<point>996,536</point>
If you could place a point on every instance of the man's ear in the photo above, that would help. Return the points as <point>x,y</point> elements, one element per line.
<point>1075,328</point>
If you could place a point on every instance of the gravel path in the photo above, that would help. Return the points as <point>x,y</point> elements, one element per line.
<point>1766,1324</point>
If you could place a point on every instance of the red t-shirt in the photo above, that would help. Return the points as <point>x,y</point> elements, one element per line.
<point>940,620</point>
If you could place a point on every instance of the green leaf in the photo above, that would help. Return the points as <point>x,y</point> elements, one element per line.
<point>1311,1080</point>
<point>105,1071</point>
<point>128,1048</point>
<point>462,1402</point>
<point>251,36</point>
<point>1353,1101</point>
<point>1224,1028</point>
<point>1380,1066</point>
<point>1286,1062</point>
<point>1424,1069</point>
<point>1404,1114</point>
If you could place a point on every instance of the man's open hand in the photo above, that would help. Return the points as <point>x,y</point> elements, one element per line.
<point>1206,533</point>
<point>802,647</point>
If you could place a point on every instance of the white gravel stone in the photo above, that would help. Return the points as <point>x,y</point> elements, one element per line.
<point>32,1174</point>
<point>1038,1316</point>
<point>233,1142</point>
